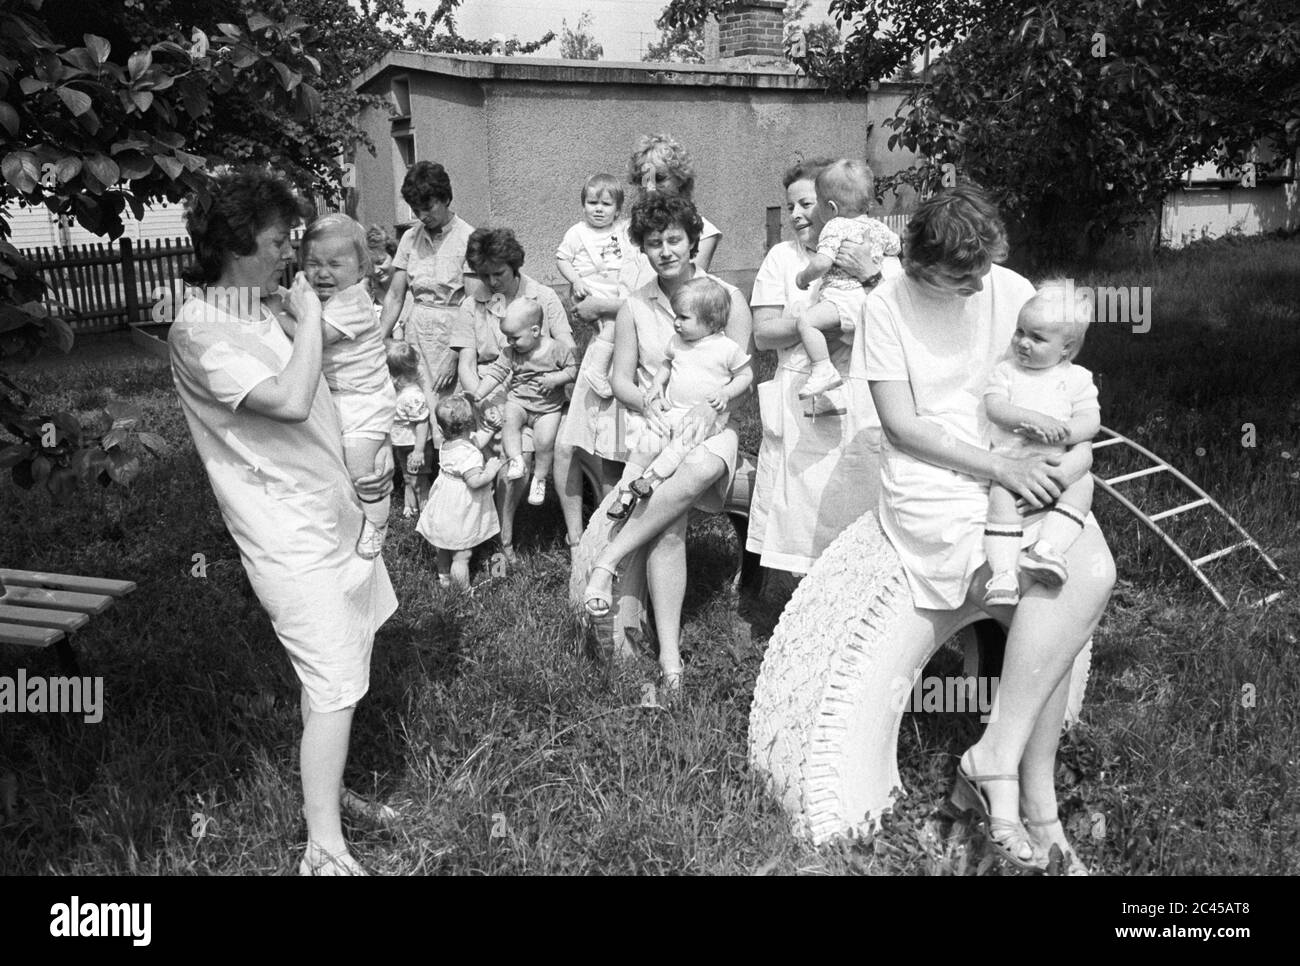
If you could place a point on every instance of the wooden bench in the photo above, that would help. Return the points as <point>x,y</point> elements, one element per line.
<point>40,609</point>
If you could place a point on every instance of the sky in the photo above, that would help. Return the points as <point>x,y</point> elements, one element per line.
<point>623,27</point>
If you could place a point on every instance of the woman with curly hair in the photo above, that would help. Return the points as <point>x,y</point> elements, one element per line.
<point>430,261</point>
<point>666,227</point>
<point>270,441</point>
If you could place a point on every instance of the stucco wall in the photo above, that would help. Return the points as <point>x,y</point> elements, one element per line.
<point>519,151</point>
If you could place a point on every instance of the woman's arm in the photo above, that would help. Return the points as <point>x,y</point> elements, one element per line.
<point>467,369</point>
<point>393,302</point>
<point>1031,476</point>
<point>773,329</point>
<point>601,352</point>
<point>288,397</point>
<point>622,370</point>
<point>705,252</point>
<point>593,307</point>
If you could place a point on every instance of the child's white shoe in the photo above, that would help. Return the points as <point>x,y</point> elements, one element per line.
<point>371,542</point>
<point>1044,565</point>
<point>515,469</point>
<point>1003,589</point>
<point>537,491</point>
<point>823,378</point>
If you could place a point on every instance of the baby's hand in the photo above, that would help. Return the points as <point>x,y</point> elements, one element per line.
<point>492,417</point>
<point>718,401</point>
<point>801,281</point>
<point>1045,428</point>
<point>415,462</point>
<point>580,290</point>
<point>303,301</point>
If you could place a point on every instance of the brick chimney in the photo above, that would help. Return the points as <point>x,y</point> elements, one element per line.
<point>752,29</point>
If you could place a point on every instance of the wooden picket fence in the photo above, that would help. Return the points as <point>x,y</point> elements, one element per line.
<point>107,286</point>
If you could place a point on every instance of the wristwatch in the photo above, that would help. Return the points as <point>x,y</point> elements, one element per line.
<point>873,281</point>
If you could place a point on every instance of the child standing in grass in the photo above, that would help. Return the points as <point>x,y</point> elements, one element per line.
<point>1038,400</point>
<point>459,514</point>
<point>844,193</point>
<point>535,369</point>
<point>700,365</point>
<point>412,442</point>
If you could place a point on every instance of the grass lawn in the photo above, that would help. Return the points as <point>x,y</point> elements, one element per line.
<point>507,751</point>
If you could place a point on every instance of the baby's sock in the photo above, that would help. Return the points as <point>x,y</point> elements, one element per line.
<point>1002,546</point>
<point>1061,528</point>
<point>823,370</point>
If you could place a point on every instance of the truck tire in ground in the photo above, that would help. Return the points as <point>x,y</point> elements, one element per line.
<point>836,677</point>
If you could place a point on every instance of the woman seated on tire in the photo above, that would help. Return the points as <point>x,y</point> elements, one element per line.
<point>495,257</point>
<point>667,229</point>
<point>933,335</point>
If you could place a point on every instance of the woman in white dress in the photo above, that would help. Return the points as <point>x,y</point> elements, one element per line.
<point>666,228</point>
<point>270,441</point>
<point>934,335</point>
<point>818,471</point>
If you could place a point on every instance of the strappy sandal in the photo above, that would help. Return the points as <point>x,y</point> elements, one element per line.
<point>620,508</point>
<point>375,813</point>
<point>317,861</point>
<point>598,605</point>
<point>1007,837</point>
<point>1070,863</point>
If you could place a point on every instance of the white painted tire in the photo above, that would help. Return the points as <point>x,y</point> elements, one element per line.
<point>823,727</point>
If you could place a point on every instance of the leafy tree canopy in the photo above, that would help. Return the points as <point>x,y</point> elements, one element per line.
<point>579,43</point>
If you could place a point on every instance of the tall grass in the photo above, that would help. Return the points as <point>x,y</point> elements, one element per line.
<point>507,750</point>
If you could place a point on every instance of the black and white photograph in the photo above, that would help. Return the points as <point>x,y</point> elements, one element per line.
<point>799,438</point>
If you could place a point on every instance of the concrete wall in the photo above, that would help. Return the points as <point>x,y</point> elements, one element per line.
<point>519,151</point>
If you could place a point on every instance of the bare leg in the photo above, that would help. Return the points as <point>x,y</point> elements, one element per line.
<point>1002,531</point>
<point>444,565</point>
<point>666,579</point>
<point>652,517</point>
<point>460,568</point>
<point>814,342</point>
<point>512,431</point>
<point>1048,630</point>
<point>324,753</point>
<point>544,429</point>
<point>359,454</point>
<point>508,494</point>
<point>812,325</point>
<point>568,486</point>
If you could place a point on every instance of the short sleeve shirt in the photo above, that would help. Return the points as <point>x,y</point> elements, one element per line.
<point>701,368</point>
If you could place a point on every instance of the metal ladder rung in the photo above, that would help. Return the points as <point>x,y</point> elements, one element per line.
<point>1222,553</point>
<point>1107,442</point>
<point>1180,509</point>
<point>1133,476</point>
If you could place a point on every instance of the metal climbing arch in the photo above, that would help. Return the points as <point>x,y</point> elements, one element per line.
<point>1203,499</point>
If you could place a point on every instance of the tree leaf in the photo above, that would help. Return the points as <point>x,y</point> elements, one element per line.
<point>74,100</point>
<point>133,164</point>
<point>308,100</point>
<point>259,21</point>
<point>65,169</point>
<point>19,168</point>
<point>13,454</point>
<point>114,438</point>
<point>60,333</point>
<point>123,468</point>
<point>170,166</point>
<point>98,46</point>
<point>142,99</point>
<point>288,79</point>
<point>123,413</point>
<point>153,443</point>
<point>104,168</point>
<point>9,119</point>
<point>138,63</point>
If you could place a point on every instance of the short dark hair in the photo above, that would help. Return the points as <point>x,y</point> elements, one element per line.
<point>240,205</point>
<point>657,212</point>
<point>494,245</point>
<point>806,170</point>
<point>425,183</point>
<point>959,229</point>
